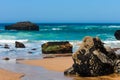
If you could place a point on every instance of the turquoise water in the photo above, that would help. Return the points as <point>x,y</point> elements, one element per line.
<point>62,32</point>
<point>74,33</point>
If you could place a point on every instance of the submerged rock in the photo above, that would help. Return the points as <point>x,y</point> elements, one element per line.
<point>6,58</point>
<point>19,45</point>
<point>117,34</point>
<point>34,49</point>
<point>6,46</point>
<point>93,59</point>
<point>22,26</point>
<point>30,52</point>
<point>56,47</point>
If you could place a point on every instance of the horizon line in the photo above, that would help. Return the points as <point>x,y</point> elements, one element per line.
<point>64,22</point>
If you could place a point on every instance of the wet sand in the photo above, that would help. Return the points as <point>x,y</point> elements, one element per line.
<point>62,63</point>
<point>56,64</point>
<point>8,75</point>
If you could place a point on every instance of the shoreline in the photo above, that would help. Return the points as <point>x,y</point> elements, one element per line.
<point>60,64</point>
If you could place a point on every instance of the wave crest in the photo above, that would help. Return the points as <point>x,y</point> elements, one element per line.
<point>13,41</point>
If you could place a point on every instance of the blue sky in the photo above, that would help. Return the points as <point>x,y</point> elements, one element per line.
<point>63,11</point>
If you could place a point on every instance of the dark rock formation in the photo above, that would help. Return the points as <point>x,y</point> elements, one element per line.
<point>6,46</point>
<point>117,66</point>
<point>56,47</point>
<point>22,26</point>
<point>19,45</point>
<point>93,59</point>
<point>34,49</point>
<point>117,34</point>
<point>6,58</point>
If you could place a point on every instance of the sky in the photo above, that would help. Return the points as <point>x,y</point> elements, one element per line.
<point>60,11</point>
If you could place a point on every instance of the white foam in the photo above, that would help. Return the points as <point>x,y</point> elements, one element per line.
<point>16,53</point>
<point>12,41</point>
<point>111,41</point>
<point>113,26</point>
<point>112,44</point>
<point>56,29</point>
<point>44,29</point>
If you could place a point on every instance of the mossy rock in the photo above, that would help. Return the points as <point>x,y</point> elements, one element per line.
<point>56,47</point>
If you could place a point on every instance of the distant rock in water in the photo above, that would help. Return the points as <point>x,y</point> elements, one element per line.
<point>23,26</point>
<point>56,47</point>
<point>93,59</point>
<point>117,34</point>
<point>19,45</point>
<point>6,58</point>
<point>6,46</point>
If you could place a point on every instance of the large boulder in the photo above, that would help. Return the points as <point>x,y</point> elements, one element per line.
<point>22,26</point>
<point>93,59</point>
<point>56,47</point>
<point>19,45</point>
<point>117,34</point>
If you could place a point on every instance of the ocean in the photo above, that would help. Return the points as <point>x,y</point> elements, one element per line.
<point>62,32</point>
<point>73,32</point>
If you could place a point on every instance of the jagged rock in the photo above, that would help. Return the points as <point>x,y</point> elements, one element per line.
<point>6,46</point>
<point>92,59</point>
<point>117,52</point>
<point>19,45</point>
<point>117,34</point>
<point>22,26</point>
<point>56,47</point>
<point>70,71</point>
<point>117,66</point>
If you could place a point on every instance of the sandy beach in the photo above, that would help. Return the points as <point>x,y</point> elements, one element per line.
<point>56,64</point>
<point>8,75</point>
<point>62,63</point>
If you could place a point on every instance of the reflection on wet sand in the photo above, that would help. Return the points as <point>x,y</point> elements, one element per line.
<point>33,72</point>
<point>55,69</point>
<point>40,73</point>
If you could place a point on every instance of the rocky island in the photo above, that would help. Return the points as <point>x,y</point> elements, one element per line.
<point>26,25</point>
